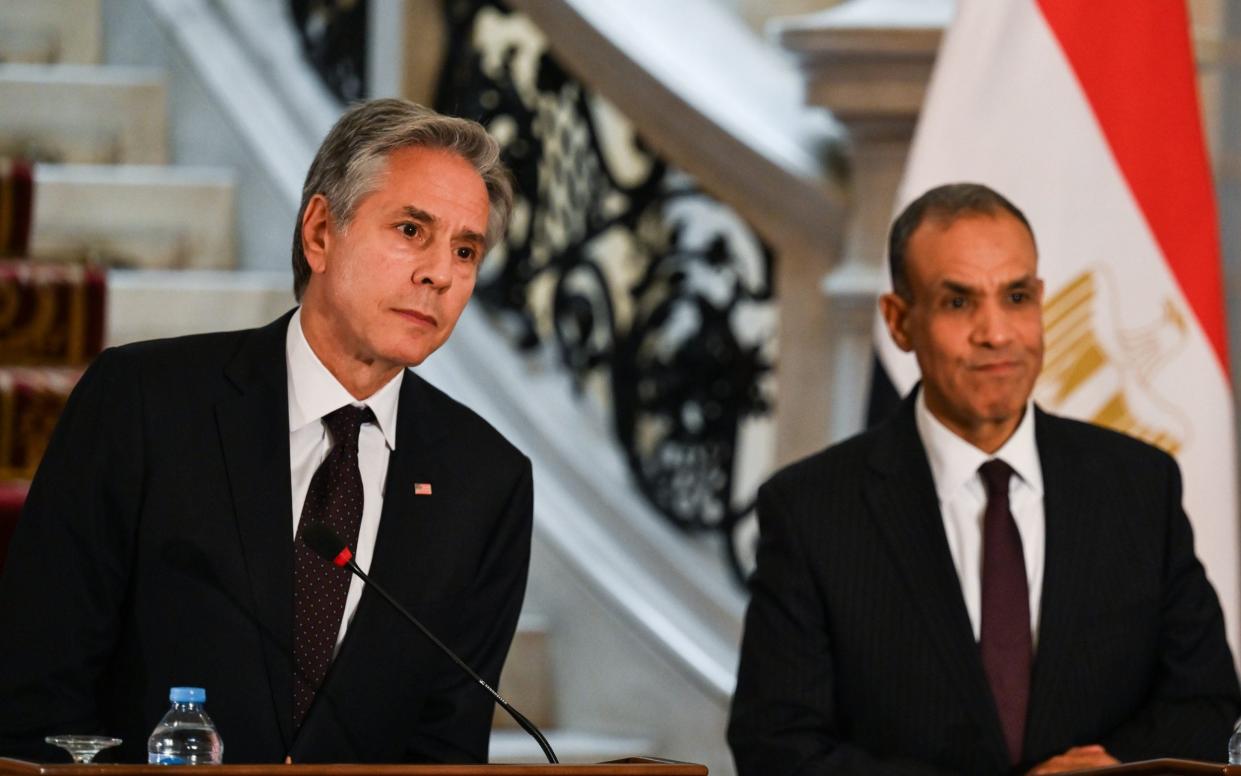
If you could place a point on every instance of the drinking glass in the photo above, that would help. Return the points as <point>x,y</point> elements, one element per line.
<point>83,748</point>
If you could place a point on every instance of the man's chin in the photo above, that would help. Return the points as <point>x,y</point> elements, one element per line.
<point>409,350</point>
<point>1003,396</point>
<point>999,413</point>
<point>411,357</point>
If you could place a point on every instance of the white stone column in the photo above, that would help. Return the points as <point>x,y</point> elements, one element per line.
<point>868,61</point>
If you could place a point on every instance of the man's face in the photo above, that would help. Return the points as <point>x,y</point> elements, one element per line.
<point>391,284</point>
<point>975,322</point>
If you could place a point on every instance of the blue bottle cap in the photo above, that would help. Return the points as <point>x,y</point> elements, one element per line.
<point>187,695</point>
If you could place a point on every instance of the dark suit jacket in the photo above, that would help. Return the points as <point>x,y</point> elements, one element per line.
<point>859,657</point>
<point>156,549</point>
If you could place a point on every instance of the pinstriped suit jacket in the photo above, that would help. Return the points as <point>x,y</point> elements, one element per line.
<point>858,655</point>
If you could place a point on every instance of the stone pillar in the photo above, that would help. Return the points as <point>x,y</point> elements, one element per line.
<point>406,47</point>
<point>868,61</point>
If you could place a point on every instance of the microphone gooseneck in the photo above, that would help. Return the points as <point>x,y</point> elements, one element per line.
<point>324,542</point>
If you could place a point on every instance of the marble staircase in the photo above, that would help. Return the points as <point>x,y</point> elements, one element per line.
<point>125,215</point>
<point>83,113</point>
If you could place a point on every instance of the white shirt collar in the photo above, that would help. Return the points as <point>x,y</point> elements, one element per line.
<point>954,462</point>
<point>315,392</point>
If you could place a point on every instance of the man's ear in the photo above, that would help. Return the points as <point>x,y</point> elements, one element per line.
<point>316,232</point>
<point>895,311</point>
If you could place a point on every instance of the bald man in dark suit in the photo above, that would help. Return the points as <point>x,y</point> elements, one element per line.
<point>975,586</point>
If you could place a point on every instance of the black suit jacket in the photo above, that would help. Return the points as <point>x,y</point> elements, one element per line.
<point>858,655</point>
<point>156,549</point>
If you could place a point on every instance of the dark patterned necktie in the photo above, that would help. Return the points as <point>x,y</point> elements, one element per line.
<point>1005,641</point>
<point>319,588</point>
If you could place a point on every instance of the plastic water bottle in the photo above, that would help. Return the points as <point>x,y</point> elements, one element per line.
<point>186,735</point>
<point>1234,745</point>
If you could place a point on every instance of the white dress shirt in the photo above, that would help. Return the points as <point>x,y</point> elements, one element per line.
<point>963,500</point>
<point>313,393</point>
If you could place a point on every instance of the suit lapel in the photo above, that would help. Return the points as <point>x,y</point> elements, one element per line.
<point>1071,494</point>
<point>900,492</point>
<point>409,525</point>
<point>254,436</point>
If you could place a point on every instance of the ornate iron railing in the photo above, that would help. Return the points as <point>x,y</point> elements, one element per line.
<point>333,34</point>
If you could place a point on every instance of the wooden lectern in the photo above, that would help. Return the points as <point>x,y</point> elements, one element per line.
<point>631,766</point>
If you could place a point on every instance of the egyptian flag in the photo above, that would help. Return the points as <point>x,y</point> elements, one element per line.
<point>1085,115</point>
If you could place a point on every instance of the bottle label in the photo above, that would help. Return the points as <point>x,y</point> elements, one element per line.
<point>164,759</point>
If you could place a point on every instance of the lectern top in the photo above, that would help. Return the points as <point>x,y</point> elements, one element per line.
<point>631,766</point>
<point>1165,767</point>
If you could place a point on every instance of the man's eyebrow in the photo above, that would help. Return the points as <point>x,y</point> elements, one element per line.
<point>962,287</point>
<point>419,215</point>
<point>958,287</point>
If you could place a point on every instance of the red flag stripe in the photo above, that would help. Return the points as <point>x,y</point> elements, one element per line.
<point>1135,64</point>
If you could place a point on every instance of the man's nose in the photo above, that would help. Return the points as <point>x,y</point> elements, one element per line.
<point>434,267</point>
<point>992,326</point>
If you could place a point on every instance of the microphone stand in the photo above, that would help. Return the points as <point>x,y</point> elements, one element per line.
<point>517,716</point>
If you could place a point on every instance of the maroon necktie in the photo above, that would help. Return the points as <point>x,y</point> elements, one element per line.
<point>1005,643</point>
<point>334,498</point>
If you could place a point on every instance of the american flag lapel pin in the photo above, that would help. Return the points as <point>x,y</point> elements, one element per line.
<point>422,488</point>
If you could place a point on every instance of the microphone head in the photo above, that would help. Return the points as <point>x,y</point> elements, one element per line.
<point>325,543</point>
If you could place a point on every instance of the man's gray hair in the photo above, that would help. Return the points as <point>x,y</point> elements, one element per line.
<point>348,163</point>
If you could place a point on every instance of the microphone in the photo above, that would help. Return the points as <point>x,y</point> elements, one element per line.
<point>324,542</point>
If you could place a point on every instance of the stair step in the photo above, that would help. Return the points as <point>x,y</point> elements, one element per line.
<point>151,304</point>
<point>571,746</point>
<point>51,31</point>
<point>134,215</point>
<point>526,680</point>
<point>83,114</point>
